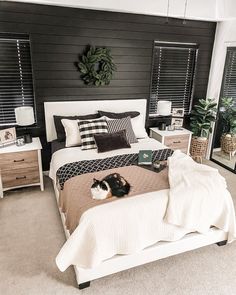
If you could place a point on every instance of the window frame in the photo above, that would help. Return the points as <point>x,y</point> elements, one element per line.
<point>22,37</point>
<point>166,44</point>
<point>226,65</point>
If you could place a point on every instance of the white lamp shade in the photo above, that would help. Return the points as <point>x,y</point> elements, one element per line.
<point>24,116</point>
<point>164,108</point>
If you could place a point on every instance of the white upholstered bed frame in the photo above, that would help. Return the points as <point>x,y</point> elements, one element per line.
<point>155,252</point>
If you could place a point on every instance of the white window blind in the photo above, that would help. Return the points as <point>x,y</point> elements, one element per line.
<point>229,81</point>
<point>16,83</point>
<point>173,72</point>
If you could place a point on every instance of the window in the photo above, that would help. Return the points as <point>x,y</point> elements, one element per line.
<point>173,75</point>
<point>16,83</point>
<point>229,80</point>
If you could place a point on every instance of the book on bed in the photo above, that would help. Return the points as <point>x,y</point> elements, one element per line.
<point>145,157</point>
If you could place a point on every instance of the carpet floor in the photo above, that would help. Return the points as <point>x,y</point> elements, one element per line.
<point>31,235</point>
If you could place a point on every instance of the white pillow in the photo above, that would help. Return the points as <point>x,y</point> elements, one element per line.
<point>138,127</point>
<point>72,132</point>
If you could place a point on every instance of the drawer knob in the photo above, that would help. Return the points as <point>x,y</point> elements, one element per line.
<point>20,177</point>
<point>177,141</point>
<point>22,160</point>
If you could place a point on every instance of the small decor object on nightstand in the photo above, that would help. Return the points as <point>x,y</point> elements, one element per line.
<point>177,118</point>
<point>145,157</point>
<point>178,112</point>
<point>25,117</point>
<point>7,136</point>
<point>177,122</point>
<point>20,141</point>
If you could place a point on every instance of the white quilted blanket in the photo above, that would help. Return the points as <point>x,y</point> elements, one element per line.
<point>198,197</point>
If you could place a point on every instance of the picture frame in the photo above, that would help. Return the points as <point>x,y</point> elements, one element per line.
<point>177,122</point>
<point>7,136</point>
<point>178,112</point>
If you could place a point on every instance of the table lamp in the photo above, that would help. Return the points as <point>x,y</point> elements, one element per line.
<point>25,117</point>
<point>164,108</point>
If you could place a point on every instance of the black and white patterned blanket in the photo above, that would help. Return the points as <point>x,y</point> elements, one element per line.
<point>70,170</point>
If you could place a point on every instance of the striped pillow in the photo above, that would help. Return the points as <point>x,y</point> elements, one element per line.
<point>88,128</point>
<point>122,124</point>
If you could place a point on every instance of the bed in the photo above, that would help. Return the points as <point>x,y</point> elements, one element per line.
<point>186,240</point>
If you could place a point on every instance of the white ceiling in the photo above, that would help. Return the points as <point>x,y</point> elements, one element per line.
<point>212,10</point>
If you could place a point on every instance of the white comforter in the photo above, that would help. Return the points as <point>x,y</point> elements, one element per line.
<point>130,225</point>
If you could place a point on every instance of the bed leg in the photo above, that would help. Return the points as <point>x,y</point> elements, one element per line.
<point>222,243</point>
<point>84,285</point>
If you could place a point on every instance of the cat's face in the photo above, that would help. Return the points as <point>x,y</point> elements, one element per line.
<point>100,190</point>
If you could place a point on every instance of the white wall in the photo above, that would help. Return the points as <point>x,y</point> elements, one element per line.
<point>212,10</point>
<point>196,9</point>
<point>225,37</point>
<point>226,9</point>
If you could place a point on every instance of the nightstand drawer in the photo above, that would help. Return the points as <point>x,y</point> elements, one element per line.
<point>177,142</point>
<point>20,177</point>
<point>18,160</point>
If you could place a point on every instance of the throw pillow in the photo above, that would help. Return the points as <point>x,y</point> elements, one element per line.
<point>87,130</point>
<point>111,141</point>
<point>61,136</point>
<point>122,124</point>
<point>112,115</point>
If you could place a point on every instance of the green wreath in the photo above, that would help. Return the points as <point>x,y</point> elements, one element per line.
<point>96,66</point>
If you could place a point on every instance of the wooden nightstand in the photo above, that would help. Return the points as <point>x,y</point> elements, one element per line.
<point>21,166</point>
<point>176,140</point>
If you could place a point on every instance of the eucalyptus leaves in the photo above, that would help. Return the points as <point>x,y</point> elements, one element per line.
<point>96,66</point>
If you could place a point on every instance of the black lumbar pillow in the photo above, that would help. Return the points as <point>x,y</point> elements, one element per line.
<point>111,141</point>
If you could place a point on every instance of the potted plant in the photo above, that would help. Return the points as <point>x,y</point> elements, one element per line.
<point>202,117</point>
<point>228,115</point>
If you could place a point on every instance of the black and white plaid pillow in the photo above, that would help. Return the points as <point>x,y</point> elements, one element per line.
<point>88,128</point>
<point>122,124</point>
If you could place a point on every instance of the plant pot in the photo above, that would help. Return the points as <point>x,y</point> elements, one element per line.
<point>198,147</point>
<point>228,144</point>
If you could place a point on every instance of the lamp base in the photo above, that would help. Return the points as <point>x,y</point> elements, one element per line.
<point>28,138</point>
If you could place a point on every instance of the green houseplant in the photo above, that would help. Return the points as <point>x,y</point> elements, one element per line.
<point>202,117</point>
<point>228,115</point>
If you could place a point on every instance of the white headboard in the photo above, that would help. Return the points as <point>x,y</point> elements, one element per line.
<point>70,108</point>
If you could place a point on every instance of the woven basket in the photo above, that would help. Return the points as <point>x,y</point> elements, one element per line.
<point>198,147</point>
<point>228,144</point>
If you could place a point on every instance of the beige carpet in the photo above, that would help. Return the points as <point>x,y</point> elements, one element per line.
<point>31,235</point>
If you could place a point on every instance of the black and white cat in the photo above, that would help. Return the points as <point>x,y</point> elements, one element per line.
<point>113,185</point>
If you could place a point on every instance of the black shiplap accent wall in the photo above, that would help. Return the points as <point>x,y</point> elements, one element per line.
<point>58,35</point>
